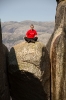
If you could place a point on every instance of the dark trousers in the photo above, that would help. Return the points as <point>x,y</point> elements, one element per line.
<point>31,39</point>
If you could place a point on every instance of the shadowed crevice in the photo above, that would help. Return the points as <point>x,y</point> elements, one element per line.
<point>26,86</point>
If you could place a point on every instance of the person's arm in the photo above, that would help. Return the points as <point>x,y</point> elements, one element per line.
<point>27,33</point>
<point>35,33</point>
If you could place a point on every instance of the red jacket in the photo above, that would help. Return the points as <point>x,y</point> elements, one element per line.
<point>31,33</point>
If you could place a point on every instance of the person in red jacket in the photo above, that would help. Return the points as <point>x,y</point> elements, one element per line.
<point>31,35</point>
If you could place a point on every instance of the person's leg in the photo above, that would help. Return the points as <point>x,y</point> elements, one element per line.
<point>35,39</point>
<point>27,39</point>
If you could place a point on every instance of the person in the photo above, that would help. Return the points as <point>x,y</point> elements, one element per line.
<point>31,35</point>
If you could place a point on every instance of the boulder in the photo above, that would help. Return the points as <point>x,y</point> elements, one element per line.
<point>27,70</point>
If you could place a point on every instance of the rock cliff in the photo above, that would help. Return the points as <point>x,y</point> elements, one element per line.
<point>4,87</point>
<point>56,48</point>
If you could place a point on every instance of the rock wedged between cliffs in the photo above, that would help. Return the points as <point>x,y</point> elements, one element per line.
<point>27,62</point>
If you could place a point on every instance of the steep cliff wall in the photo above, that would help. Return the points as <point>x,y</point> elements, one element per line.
<point>4,87</point>
<point>56,48</point>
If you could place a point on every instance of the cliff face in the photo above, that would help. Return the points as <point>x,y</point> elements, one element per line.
<point>4,87</point>
<point>56,48</point>
<point>27,71</point>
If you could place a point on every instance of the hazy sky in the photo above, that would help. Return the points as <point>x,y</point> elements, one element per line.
<point>20,10</point>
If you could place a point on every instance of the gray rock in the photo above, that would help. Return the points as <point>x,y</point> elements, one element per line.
<point>57,50</point>
<point>27,70</point>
